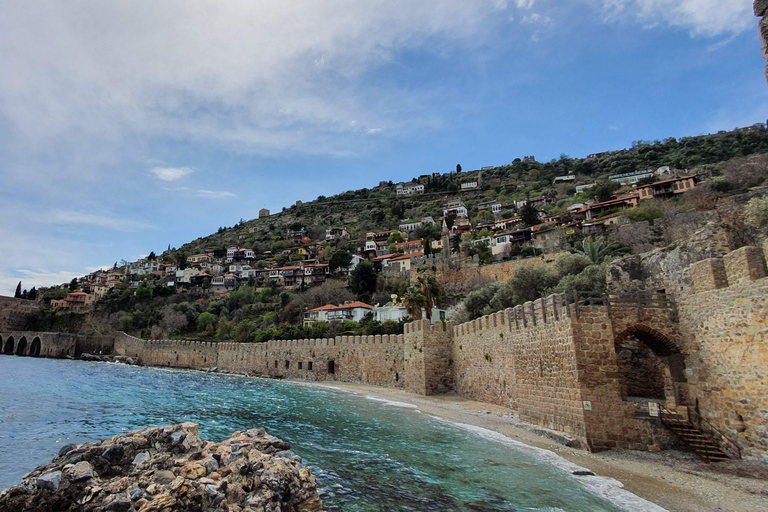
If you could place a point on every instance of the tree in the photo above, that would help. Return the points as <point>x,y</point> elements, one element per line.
<point>33,293</point>
<point>206,322</point>
<point>603,190</point>
<point>152,256</point>
<point>458,168</point>
<point>484,217</point>
<point>431,291</point>
<point>363,281</point>
<point>340,259</point>
<point>17,295</point>
<point>73,284</point>
<point>529,215</point>
<point>599,249</point>
<point>414,301</point>
<point>395,238</point>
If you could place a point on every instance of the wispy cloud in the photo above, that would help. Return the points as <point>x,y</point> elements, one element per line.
<point>90,219</point>
<point>170,173</point>
<point>214,194</point>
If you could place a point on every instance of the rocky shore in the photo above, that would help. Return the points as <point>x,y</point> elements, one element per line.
<point>169,469</point>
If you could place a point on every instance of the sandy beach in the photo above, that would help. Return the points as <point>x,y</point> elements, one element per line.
<point>674,480</point>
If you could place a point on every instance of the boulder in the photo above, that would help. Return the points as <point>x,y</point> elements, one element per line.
<point>169,469</point>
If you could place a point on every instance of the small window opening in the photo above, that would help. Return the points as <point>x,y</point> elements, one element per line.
<point>309,366</point>
<point>300,365</point>
<point>287,364</point>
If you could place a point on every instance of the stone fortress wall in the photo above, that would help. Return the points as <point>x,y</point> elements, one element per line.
<point>14,313</point>
<point>561,364</point>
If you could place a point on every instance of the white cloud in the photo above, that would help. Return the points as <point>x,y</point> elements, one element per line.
<point>706,18</point>
<point>170,173</point>
<point>256,75</point>
<point>214,194</point>
<point>37,278</point>
<point>91,219</point>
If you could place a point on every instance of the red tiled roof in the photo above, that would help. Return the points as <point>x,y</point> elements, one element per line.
<point>407,256</point>
<point>671,180</point>
<point>351,305</point>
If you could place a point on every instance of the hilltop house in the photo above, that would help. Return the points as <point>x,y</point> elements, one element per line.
<point>408,189</point>
<point>353,311</point>
<point>667,188</point>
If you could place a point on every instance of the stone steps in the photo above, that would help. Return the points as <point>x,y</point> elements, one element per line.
<point>702,445</point>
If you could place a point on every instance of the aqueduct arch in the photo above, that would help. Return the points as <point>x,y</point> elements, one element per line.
<point>8,346</point>
<point>21,348</point>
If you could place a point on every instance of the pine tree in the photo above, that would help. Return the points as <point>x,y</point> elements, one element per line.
<point>17,295</point>
<point>33,293</point>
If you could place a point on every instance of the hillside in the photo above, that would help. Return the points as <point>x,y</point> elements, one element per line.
<point>380,208</point>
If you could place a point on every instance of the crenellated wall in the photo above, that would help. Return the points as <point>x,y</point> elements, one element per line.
<point>563,365</point>
<point>376,360</point>
<point>14,313</point>
<point>724,327</point>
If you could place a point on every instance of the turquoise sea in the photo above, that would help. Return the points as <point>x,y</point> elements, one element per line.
<point>367,455</point>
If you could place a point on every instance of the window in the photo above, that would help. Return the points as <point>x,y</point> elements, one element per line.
<point>309,366</point>
<point>287,364</point>
<point>275,364</point>
<point>300,363</point>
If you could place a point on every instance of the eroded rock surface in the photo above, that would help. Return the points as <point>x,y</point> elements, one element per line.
<point>169,469</point>
<point>761,11</point>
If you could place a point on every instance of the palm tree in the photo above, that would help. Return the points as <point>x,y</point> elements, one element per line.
<point>599,249</point>
<point>414,300</point>
<point>430,290</point>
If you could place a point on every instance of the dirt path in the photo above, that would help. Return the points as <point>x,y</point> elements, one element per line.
<point>676,481</point>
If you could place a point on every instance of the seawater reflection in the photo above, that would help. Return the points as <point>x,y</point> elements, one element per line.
<point>367,456</point>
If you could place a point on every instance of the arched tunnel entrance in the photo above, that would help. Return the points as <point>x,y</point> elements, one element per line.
<point>8,346</point>
<point>34,349</point>
<point>651,366</point>
<point>21,349</point>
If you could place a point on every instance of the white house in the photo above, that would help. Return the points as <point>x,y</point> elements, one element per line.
<point>413,226</point>
<point>353,311</point>
<point>469,185</point>
<point>570,178</point>
<point>457,211</point>
<point>409,189</point>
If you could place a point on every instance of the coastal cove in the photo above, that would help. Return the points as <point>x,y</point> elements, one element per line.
<point>367,455</point>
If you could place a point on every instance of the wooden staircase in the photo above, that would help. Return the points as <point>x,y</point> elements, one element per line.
<point>710,446</point>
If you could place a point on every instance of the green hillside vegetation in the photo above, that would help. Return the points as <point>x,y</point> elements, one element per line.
<point>731,162</point>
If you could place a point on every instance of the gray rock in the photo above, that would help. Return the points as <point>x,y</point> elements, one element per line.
<point>50,481</point>
<point>66,449</point>
<point>177,437</point>
<point>163,477</point>
<point>113,454</point>
<point>211,490</point>
<point>137,494</point>
<point>211,465</point>
<point>141,458</point>
<point>119,504</point>
<point>80,472</point>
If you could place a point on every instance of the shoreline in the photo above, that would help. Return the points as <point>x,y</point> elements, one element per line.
<point>671,480</point>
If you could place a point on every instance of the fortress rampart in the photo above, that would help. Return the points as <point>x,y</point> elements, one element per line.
<point>594,369</point>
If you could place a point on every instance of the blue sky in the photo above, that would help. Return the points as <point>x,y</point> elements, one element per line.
<point>126,126</point>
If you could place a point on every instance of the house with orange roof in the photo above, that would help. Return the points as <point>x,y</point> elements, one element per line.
<point>351,311</point>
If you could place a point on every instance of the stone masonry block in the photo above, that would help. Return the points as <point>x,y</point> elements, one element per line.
<point>745,264</point>
<point>709,275</point>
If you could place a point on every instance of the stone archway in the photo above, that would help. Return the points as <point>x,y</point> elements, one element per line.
<point>651,366</point>
<point>8,347</point>
<point>34,349</point>
<point>21,348</point>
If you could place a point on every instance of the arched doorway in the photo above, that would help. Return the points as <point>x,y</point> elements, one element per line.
<point>34,349</point>
<point>651,366</point>
<point>21,349</point>
<point>8,347</point>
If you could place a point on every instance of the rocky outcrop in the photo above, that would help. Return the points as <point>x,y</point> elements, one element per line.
<point>169,469</point>
<point>761,11</point>
<point>665,268</point>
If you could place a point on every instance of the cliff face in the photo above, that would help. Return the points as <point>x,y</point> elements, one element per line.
<point>169,469</point>
<point>761,11</point>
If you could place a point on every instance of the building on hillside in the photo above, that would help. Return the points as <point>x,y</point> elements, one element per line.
<point>199,258</point>
<point>332,234</point>
<point>413,226</point>
<point>503,242</point>
<point>596,210</point>
<point>570,178</point>
<point>411,247</point>
<point>455,211</point>
<point>352,311</point>
<point>396,312</point>
<point>667,188</point>
<point>469,185</point>
<point>223,284</point>
<point>315,275</point>
<point>630,178</point>
<point>409,189</point>
<point>583,188</point>
<point>75,299</point>
<point>263,213</point>
<point>494,206</point>
<point>402,262</point>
